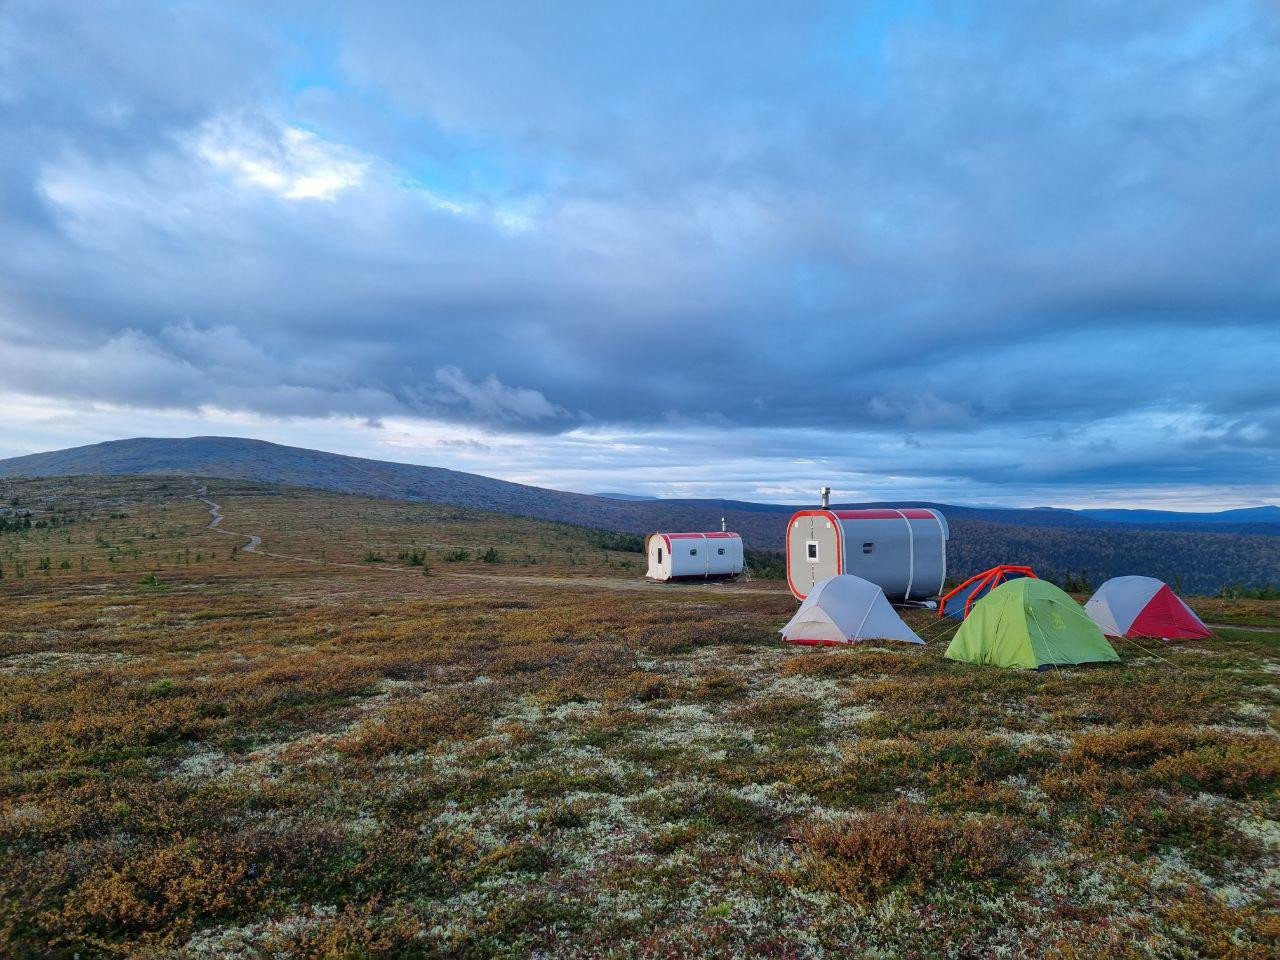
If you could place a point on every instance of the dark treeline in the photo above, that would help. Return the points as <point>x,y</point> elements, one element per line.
<point>614,540</point>
<point>766,564</point>
<point>1194,561</point>
<point>15,522</point>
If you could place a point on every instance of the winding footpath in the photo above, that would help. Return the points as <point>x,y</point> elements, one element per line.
<point>253,541</point>
<point>253,545</point>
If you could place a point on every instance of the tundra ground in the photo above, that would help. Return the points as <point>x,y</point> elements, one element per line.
<point>525,751</point>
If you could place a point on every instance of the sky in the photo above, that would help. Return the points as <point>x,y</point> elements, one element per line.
<point>997,253</point>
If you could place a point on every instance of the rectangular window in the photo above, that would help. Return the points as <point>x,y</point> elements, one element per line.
<point>693,551</point>
<point>868,547</point>
<point>811,549</point>
<point>659,554</point>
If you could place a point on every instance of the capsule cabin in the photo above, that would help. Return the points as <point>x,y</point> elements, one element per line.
<point>678,556</point>
<point>904,552</point>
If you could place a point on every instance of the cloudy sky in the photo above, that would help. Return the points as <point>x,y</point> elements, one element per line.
<point>975,253</point>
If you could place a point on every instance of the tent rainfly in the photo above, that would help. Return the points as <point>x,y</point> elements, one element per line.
<point>674,556</point>
<point>1029,623</point>
<point>960,601</point>
<point>1143,607</point>
<point>845,609</point>
<point>903,552</point>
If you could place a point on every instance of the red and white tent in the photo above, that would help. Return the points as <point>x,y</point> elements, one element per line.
<point>1143,607</point>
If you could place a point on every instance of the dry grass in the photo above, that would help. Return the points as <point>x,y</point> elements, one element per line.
<point>278,757</point>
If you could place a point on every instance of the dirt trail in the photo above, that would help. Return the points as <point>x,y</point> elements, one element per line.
<point>253,544</point>
<point>252,540</point>
<point>1240,626</point>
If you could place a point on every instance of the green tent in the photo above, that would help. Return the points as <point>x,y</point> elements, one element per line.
<point>1029,623</point>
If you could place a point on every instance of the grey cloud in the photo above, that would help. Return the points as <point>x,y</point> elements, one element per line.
<point>493,400</point>
<point>975,229</point>
<point>1245,433</point>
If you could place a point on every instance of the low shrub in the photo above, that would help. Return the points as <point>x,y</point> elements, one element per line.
<point>1233,764</point>
<point>786,720</point>
<point>1137,746</point>
<point>419,725</point>
<point>863,857</point>
<point>719,685</point>
<point>645,687</point>
<point>853,663</point>
<point>1242,767</point>
<point>869,767</point>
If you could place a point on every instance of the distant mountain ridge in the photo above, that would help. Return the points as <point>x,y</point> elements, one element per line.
<point>1206,550</point>
<point>1265,514</point>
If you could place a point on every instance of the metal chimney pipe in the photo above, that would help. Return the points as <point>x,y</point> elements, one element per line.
<point>826,497</point>
<point>724,525</point>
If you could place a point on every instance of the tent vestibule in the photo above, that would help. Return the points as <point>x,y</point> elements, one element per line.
<point>958,602</point>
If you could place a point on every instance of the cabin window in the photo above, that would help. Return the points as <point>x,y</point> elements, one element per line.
<point>693,551</point>
<point>811,551</point>
<point>868,548</point>
<point>659,554</point>
<point>720,551</point>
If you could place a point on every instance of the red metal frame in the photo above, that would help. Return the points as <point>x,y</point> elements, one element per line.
<point>984,576</point>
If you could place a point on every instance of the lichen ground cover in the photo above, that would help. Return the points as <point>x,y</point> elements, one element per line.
<point>354,746</point>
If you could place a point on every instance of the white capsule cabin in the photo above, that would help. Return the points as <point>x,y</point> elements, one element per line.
<point>681,556</point>
<point>904,552</point>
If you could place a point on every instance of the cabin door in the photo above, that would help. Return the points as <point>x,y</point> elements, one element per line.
<point>819,552</point>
